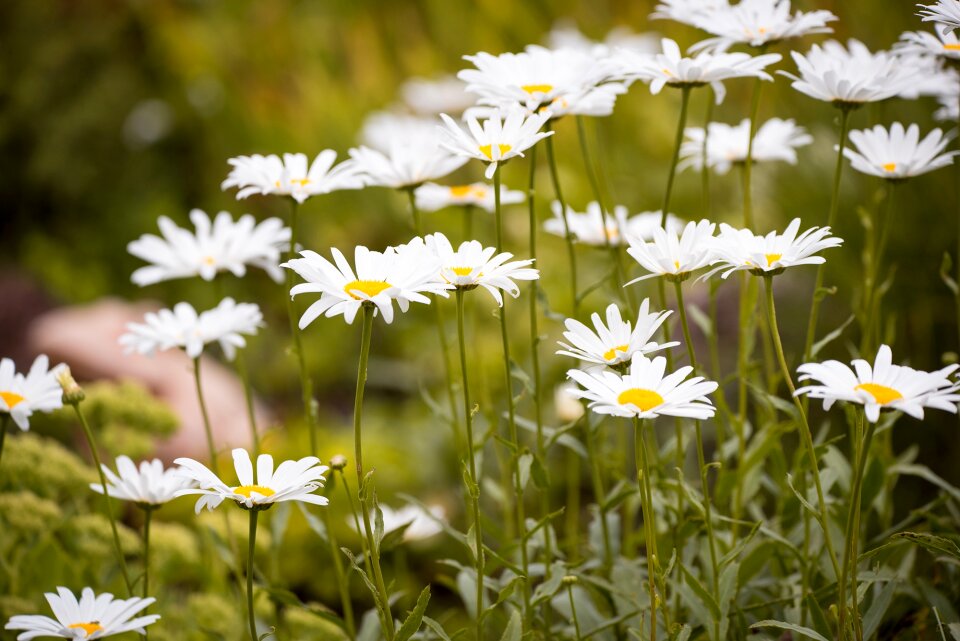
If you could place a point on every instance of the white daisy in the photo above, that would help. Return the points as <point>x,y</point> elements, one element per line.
<point>38,391</point>
<point>741,249</point>
<point>759,23</point>
<point>433,197</point>
<point>224,245</point>
<point>567,36</point>
<point>291,176</point>
<point>380,278</point>
<point>291,481</point>
<point>671,68</point>
<point>644,392</point>
<point>690,12</point>
<point>849,76</point>
<point>673,253</point>
<point>946,13</point>
<point>727,145</point>
<point>568,408</point>
<point>150,485</point>
<point>503,136</point>
<point>421,523</point>
<point>91,617</point>
<point>472,265</point>
<point>588,227</point>
<point>432,97</point>
<point>944,45</point>
<point>615,342</point>
<point>899,153</point>
<point>883,386</point>
<point>182,327</point>
<point>402,152</point>
<point>949,110</point>
<point>931,76</point>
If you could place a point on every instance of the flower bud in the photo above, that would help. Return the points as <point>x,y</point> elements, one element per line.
<point>338,462</point>
<point>72,393</point>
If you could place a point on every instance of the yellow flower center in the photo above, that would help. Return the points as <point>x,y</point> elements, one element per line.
<point>890,166</point>
<point>12,399</point>
<point>531,89</point>
<point>772,258</point>
<point>676,264</point>
<point>300,182</point>
<point>247,490</point>
<point>880,393</point>
<point>462,271</point>
<point>369,287</point>
<point>487,150</point>
<point>611,354</point>
<point>88,628</point>
<point>462,191</point>
<point>645,399</point>
<point>952,46</point>
<point>612,232</point>
<point>208,260</point>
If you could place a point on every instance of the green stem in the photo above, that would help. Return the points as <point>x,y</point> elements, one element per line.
<point>852,548</point>
<point>357,525</point>
<point>872,327</point>
<point>807,436</point>
<point>343,581</point>
<point>650,532</point>
<point>241,364</point>
<point>91,442</point>
<point>473,488</point>
<point>211,448</point>
<point>147,513</point>
<point>306,383</point>
<point>745,333</point>
<point>748,161</point>
<point>714,344</point>
<point>705,168</point>
<point>4,422</point>
<point>573,611</point>
<point>252,538</point>
<point>414,211</point>
<point>596,478</point>
<point>681,125</point>
<point>571,250</point>
<point>831,218</point>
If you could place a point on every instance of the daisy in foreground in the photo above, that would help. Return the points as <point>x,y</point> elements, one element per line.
<point>883,386</point>
<point>291,481</point>
<point>946,13</point>
<point>149,485</point>
<point>472,265</point>
<point>291,176</point>
<point>899,153</point>
<point>644,392</point>
<point>21,396</point>
<point>91,617</point>
<point>615,342</point>
<point>502,136</point>
<point>381,278</point>
<point>759,23</point>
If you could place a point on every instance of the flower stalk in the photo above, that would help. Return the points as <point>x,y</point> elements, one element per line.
<point>568,237</point>
<point>649,528</point>
<point>252,538</point>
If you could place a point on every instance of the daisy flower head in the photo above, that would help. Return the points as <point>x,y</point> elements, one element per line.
<point>433,197</point>
<point>293,175</point>
<point>689,12</point>
<point>849,76</point>
<point>420,523</point>
<point>504,135</point>
<point>432,97</point>
<point>675,254</point>
<point>645,392</point>
<point>290,481</point>
<point>37,391</point>
<point>759,23</point>
<point>150,485</point>
<point>472,265</point>
<point>671,68</point>
<point>92,616</point>
<point>640,227</point>
<point>555,79</point>
<point>881,386</point>
<point>218,246</point>
<point>741,249</point>
<point>566,35</point>
<point>944,45</point>
<point>591,227</point>
<point>898,153</point>
<point>183,327</point>
<point>727,145</point>
<point>946,13</point>
<point>949,110</point>
<point>398,274</point>
<point>614,343</point>
<point>401,152</point>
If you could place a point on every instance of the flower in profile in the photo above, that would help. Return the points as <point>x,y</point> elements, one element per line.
<point>675,254</point>
<point>472,265</point>
<point>671,68</point>
<point>420,523</point>
<point>92,616</point>
<point>223,245</point>
<point>291,481</point>
<point>946,13</point>
<point>567,407</point>
<point>566,35</point>
<point>949,110</point>
<point>504,135</point>
<point>727,145</point>
<point>615,342</point>
<point>432,97</point>
<point>741,249</point>
<point>381,278</point>
<point>944,45</point>
<point>882,386</point>
<point>291,176</point>
<point>400,152</point>
<point>690,12</point>
<point>758,23</point>
<point>151,485</point>
<point>616,228</point>
<point>433,197</point>
<point>38,391</point>
<point>182,327</point>
<point>644,392</point>
<point>849,76</point>
<point>899,153</point>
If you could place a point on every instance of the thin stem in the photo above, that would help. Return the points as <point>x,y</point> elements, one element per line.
<point>147,514</point>
<point>568,237</point>
<point>357,526</point>
<point>414,211</point>
<point>705,167</point>
<point>241,364</point>
<point>714,344</point>
<point>343,580</point>
<point>822,517</point>
<point>681,125</point>
<point>211,448</point>
<point>596,478</point>
<point>250,550</point>
<point>4,422</point>
<point>745,334</point>
<point>831,218</point>
<point>748,161</point>
<point>573,612</point>
<point>91,442</point>
<point>473,488</point>
<point>643,474</point>
<point>872,328</point>
<point>956,183</point>
<point>852,548</point>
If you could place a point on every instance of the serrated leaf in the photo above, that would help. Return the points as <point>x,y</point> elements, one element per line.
<point>783,625</point>
<point>932,542</point>
<point>412,623</point>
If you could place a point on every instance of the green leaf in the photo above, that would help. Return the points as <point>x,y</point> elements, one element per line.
<point>874,616</point>
<point>945,266</point>
<point>925,473</point>
<point>702,593</point>
<point>932,542</point>
<point>268,633</point>
<point>799,629</point>
<point>412,623</point>
<point>315,524</point>
<point>524,463</point>
<point>831,336</point>
<point>548,588</point>
<point>541,480</point>
<point>394,537</point>
<point>820,622</point>
<point>514,628</point>
<point>437,629</point>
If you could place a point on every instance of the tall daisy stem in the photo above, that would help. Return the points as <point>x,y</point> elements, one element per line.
<point>650,532</point>
<point>147,513</point>
<point>248,397</point>
<point>705,167</point>
<point>357,526</point>
<point>748,161</point>
<point>364,490</point>
<point>678,140</point>
<point>806,435</point>
<point>573,611</point>
<point>208,432</point>
<point>871,318</point>
<point>306,383</point>
<point>252,538</point>
<point>343,580</point>
<point>568,236</point>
